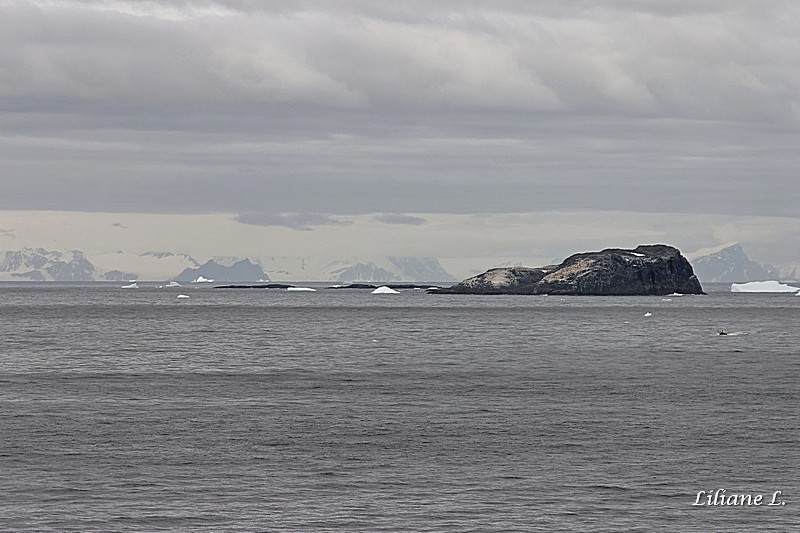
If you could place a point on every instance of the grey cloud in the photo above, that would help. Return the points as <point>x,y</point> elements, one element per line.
<point>547,56</point>
<point>397,218</point>
<point>296,221</point>
<point>393,107</point>
<point>616,166</point>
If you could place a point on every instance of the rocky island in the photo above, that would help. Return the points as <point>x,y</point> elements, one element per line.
<point>647,270</point>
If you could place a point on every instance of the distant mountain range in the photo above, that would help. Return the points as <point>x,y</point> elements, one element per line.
<point>730,263</point>
<point>376,269</point>
<point>53,265</point>
<point>242,270</point>
<point>38,264</point>
<point>725,263</point>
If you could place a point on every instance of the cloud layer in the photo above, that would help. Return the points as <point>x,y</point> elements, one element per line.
<point>266,108</point>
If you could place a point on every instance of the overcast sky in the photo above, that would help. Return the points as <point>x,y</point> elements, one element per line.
<point>307,114</point>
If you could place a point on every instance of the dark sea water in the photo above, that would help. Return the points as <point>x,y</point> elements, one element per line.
<point>339,410</point>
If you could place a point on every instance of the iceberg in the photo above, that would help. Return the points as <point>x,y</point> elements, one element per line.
<point>384,290</point>
<point>301,289</point>
<point>201,279</point>
<point>131,286</point>
<point>173,284</point>
<point>182,296</point>
<point>763,286</point>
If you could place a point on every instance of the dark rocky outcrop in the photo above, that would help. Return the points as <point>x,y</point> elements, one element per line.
<point>646,270</point>
<point>355,286</point>
<point>505,280</point>
<point>396,286</point>
<point>260,286</point>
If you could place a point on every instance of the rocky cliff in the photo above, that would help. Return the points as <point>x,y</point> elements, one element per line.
<point>646,270</point>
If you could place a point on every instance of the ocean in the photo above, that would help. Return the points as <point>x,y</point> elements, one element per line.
<point>344,411</point>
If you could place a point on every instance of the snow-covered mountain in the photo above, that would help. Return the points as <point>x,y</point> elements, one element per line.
<point>38,264</point>
<point>45,265</point>
<point>729,263</point>
<point>241,270</point>
<point>154,265</point>
<point>421,268</point>
<point>789,272</point>
<point>378,269</point>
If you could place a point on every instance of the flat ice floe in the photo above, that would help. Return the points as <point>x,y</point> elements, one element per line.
<point>763,286</point>
<point>131,286</point>
<point>182,296</point>
<point>384,290</point>
<point>301,289</point>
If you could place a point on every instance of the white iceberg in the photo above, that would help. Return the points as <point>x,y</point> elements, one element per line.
<point>182,296</point>
<point>131,286</point>
<point>763,286</point>
<point>385,290</point>
<point>301,289</point>
<point>201,279</point>
<point>173,284</point>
